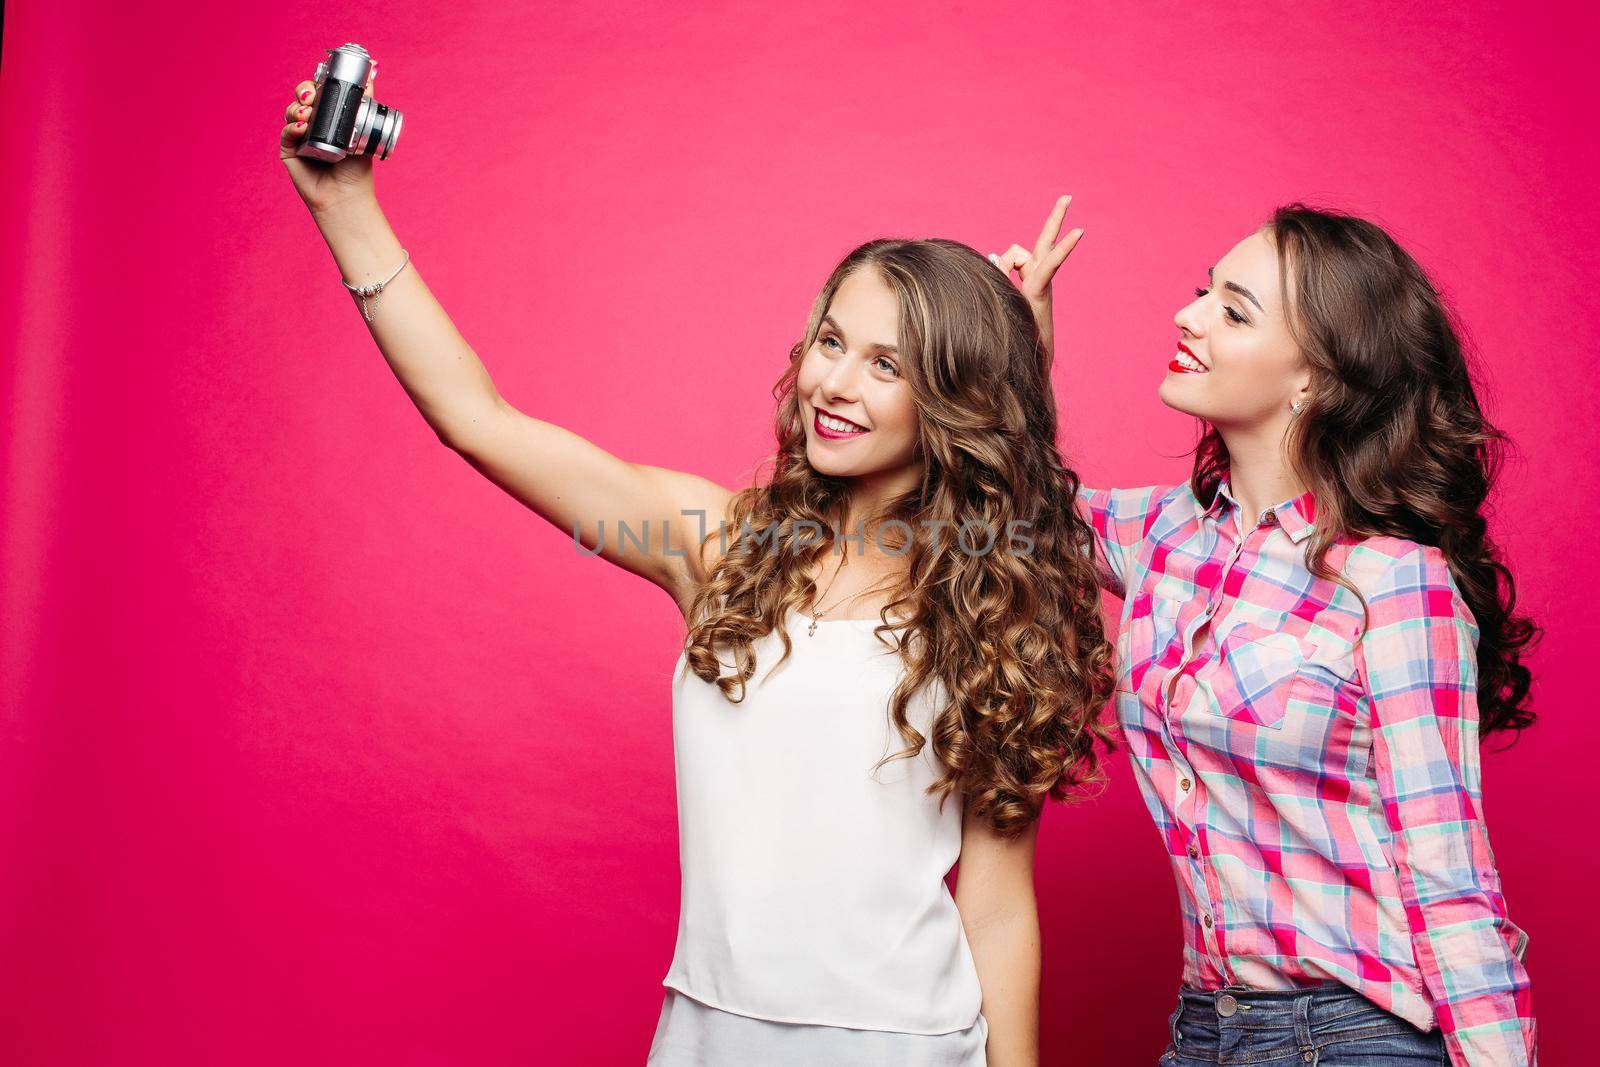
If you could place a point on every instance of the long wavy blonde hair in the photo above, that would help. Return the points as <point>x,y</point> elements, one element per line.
<point>1017,640</point>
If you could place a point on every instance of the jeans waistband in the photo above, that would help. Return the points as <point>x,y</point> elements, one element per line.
<point>1308,1006</point>
<point>1238,1025</point>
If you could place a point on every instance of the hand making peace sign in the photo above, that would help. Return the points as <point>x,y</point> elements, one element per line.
<point>1038,267</point>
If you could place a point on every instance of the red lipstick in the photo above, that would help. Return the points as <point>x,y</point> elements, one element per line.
<point>1177,367</point>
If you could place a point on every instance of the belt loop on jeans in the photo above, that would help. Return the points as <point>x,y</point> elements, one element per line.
<point>1302,1028</point>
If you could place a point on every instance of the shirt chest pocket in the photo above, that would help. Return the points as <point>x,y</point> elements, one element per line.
<point>1147,640</point>
<point>1259,673</point>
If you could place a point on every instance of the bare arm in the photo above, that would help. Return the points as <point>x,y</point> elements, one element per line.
<point>994,893</point>
<point>434,364</point>
<point>567,480</point>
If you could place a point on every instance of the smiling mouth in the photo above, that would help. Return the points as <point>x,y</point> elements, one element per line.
<point>1185,363</point>
<point>832,428</point>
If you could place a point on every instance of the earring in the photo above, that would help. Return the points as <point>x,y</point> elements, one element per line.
<point>1294,407</point>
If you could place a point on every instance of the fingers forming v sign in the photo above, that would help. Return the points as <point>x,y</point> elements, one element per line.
<point>1038,266</point>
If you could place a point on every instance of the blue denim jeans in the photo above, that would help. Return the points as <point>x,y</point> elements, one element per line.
<point>1328,1025</point>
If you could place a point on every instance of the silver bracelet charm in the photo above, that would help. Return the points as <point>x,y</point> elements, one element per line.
<point>370,292</point>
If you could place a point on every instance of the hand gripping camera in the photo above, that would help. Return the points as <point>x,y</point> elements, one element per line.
<point>345,121</point>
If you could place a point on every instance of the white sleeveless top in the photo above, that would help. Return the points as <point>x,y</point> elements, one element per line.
<point>813,886</point>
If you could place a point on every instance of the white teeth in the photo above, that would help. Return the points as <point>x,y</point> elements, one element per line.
<point>836,425</point>
<point>1189,361</point>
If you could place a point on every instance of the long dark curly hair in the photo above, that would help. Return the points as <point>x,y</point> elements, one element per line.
<point>1014,639</point>
<point>1392,440</point>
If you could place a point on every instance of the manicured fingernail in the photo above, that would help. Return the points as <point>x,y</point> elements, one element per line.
<point>306,95</point>
<point>299,125</point>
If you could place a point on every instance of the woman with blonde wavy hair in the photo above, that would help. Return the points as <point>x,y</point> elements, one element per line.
<point>893,656</point>
<point>1317,629</point>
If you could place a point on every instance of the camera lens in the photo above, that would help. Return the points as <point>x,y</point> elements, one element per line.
<point>377,130</point>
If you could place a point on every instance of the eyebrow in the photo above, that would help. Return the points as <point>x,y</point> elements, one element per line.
<point>1237,288</point>
<point>875,347</point>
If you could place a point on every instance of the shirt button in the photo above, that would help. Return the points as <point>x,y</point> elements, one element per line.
<point>1184,784</point>
<point>1194,852</point>
<point>1207,921</point>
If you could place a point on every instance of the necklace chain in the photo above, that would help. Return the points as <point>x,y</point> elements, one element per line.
<point>816,616</point>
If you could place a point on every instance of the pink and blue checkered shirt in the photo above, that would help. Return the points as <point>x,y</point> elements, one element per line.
<point>1317,789</point>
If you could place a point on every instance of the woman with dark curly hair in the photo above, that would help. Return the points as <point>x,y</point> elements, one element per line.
<point>894,649</point>
<point>1316,631</point>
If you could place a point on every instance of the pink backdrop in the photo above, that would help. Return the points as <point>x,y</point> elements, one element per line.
<point>318,748</point>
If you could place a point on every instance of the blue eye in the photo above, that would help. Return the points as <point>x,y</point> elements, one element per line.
<point>829,337</point>
<point>888,364</point>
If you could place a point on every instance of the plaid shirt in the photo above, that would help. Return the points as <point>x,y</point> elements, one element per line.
<point>1318,791</point>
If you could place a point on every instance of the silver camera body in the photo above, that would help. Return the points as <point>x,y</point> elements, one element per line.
<point>345,121</point>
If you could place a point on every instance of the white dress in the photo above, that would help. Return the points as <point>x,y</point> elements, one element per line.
<point>815,925</point>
